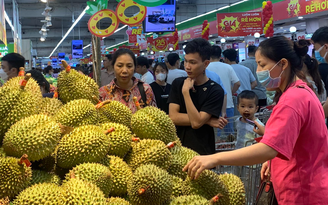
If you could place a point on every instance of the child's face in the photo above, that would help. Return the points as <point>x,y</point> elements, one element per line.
<point>247,108</point>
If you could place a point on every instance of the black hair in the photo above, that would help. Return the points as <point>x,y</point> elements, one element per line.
<point>79,68</point>
<point>230,54</point>
<point>248,94</point>
<point>124,51</point>
<point>216,52</point>
<point>150,61</point>
<point>40,79</point>
<point>279,47</point>
<point>142,61</point>
<point>109,56</point>
<point>252,49</point>
<point>320,35</point>
<point>172,58</point>
<point>163,65</point>
<point>200,46</point>
<point>15,60</point>
<point>47,69</point>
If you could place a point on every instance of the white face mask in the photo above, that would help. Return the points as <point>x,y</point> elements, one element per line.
<point>3,75</point>
<point>161,76</point>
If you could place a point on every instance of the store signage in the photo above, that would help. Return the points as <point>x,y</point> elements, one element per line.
<point>77,48</point>
<point>136,34</point>
<point>3,36</point>
<point>161,43</point>
<point>134,49</point>
<point>293,8</point>
<point>239,24</point>
<point>4,50</point>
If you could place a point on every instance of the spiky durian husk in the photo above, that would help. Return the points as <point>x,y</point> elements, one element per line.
<point>31,86</point>
<point>117,201</point>
<point>235,187</point>
<point>149,151</point>
<point>14,177</point>
<point>43,193</point>
<point>121,174</point>
<point>150,185</point>
<point>117,112</point>
<point>2,152</point>
<point>37,136</point>
<point>74,86</point>
<point>77,113</point>
<point>39,176</point>
<point>84,144</point>
<point>120,139</point>
<point>177,186</point>
<point>190,200</point>
<point>50,106</point>
<point>97,174</point>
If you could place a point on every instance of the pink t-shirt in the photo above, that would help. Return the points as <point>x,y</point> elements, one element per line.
<point>297,131</point>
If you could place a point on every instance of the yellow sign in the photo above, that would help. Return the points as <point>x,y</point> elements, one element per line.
<point>230,23</point>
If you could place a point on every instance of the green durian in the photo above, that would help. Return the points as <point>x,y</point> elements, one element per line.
<point>190,200</point>
<point>235,188</point>
<point>2,152</point>
<point>150,185</point>
<point>50,106</point>
<point>117,201</point>
<point>39,176</point>
<point>177,186</point>
<point>117,112</point>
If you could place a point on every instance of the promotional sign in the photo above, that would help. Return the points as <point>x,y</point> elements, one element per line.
<point>239,24</point>
<point>3,36</point>
<point>4,50</point>
<point>134,49</point>
<point>136,34</point>
<point>77,48</point>
<point>61,56</point>
<point>161,43</point>
<point>293,8</point>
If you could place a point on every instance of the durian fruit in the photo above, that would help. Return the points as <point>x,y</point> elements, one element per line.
<point>77,113</point>
<point>150,185</point>
<point>117,201</point>
<point>180,158</point>
<point>121,174</point>
<point>50,106</point>
<point>84,144</point>
<point>15,176</point>
<point>177,186</point>
<point>39,176</point>
<point>207,185</point>
<point>149,152</point>
<point>190,200</point>
<point>2,152</point>
<point>73,86</point>
<point>37,136</point>
<point>95,173</point>
<point>117,112</point>
<point>16,103</point>
<point>44,193</point>
<point>78,192</point>
<point>235,187</point>
<point>120,139</point>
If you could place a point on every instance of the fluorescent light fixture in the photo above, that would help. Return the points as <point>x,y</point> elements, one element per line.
<point>222,40</point>
<point>44,28</point>
<point>69,30</point>
<point>234,4</point>
<point>86,46</point>
<point>49,23</point>
<point>42,38</point>
<point>300,17</point>
<point>292,29</point>
<point>44,1</point>
<point>170,49</point>
<point>257,35</point>
<point>48,18</point>
<point>117,44</point>
<point>9,21</point>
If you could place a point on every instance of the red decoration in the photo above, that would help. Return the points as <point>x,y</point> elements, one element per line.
<point>267,18</point>
<point>206,30</point>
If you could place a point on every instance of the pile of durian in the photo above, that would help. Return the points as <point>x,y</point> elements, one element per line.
<point>78,150</point>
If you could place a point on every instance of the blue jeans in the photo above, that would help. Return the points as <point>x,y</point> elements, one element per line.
<point>229,127</point>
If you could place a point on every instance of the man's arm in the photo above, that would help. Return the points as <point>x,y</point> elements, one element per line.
<point>235,87</point>
<point>224,106</point>
<point>253,84</point>
<point>179,119</point>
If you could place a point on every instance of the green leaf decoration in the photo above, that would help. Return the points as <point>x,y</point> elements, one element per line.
<point>95,6</point>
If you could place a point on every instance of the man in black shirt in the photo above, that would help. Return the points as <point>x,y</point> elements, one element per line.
<point>196,101</point>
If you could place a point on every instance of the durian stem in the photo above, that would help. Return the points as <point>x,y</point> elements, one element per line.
<point>171,144</point>
<point>101,104</point>
<point>56,93</point>
<point>109,130</point>
<point>24,81</point>
<point>65,129</point>
<point>24,160</point>
<point>135,139</point>
<point>135,100</point>
<point>215,199</point>
<point>21,71</point>
<point>142,191</point>
<point>72,175</point>
<point>96,99</point>
<point>66,66</point>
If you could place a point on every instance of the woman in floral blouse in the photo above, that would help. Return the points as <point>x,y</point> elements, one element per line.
<point>124,87</point>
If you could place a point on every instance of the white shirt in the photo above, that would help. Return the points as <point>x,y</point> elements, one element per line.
<point>175,73</point>
<point>228,78</point>
<point>148,78</point>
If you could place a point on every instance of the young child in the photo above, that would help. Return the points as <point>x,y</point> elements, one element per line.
<point>247,103</point>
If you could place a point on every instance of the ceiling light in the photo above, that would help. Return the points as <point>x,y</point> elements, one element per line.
<point>117,45</point>
<point>171,49</point>
<point>40,32</point>
<point>44,34</point>
<point>303,25</point>
<point>142,53</point>
<point>9,21</point>
<point>151,52</point>
<point>300,17</point>
<point>257,35</point>
<point>49,23</point>
<point>86,46</point>
<point>210,36</point>
<point>42,38</point>
<point>44,28</point>
<point>222,40</point>
<point>184,46</point>
<point>44,1</point>
<point>48,18</point>
<point>292,29</point>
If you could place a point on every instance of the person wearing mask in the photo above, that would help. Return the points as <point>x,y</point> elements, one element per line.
<point>10,65</point>
<point>107,74</point>
<point>230,82</point>
<point>142,70</point>
<point>124,86</point>
<point>298,171</point>
<point>250,63</point>
<point>174,72</point>
<point>246,78</point>
<point>323,68</point>
<point>160,88</point>
<point>196,101</point>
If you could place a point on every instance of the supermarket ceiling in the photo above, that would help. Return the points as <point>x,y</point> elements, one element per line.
<point>65,12</point>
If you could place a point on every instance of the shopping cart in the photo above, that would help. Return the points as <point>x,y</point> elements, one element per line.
<point>250,175</point>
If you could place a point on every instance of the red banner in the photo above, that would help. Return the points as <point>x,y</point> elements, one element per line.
<point>293,8</point>
<point>161,43</point>
<point>239,24</point>
<point>134,49</point>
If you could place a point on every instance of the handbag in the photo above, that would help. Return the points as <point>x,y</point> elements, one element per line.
<point>266,194</point>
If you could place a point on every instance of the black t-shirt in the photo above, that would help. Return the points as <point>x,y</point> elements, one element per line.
<point>207,98</point>
<point>323,70</point>
<point>161,95</point>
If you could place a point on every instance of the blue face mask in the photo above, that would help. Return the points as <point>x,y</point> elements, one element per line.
<point>266,80</point>
<point>319,58</point>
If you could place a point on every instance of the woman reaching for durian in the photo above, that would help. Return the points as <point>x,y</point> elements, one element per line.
<point>295,140</point>
<point>124,87</point>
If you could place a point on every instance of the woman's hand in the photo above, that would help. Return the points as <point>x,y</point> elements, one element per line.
<point>259,129</point>
<point>265,170</point>
<point>198,164</point>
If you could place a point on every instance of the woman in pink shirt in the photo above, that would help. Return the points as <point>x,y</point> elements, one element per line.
<point>295,137</point>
